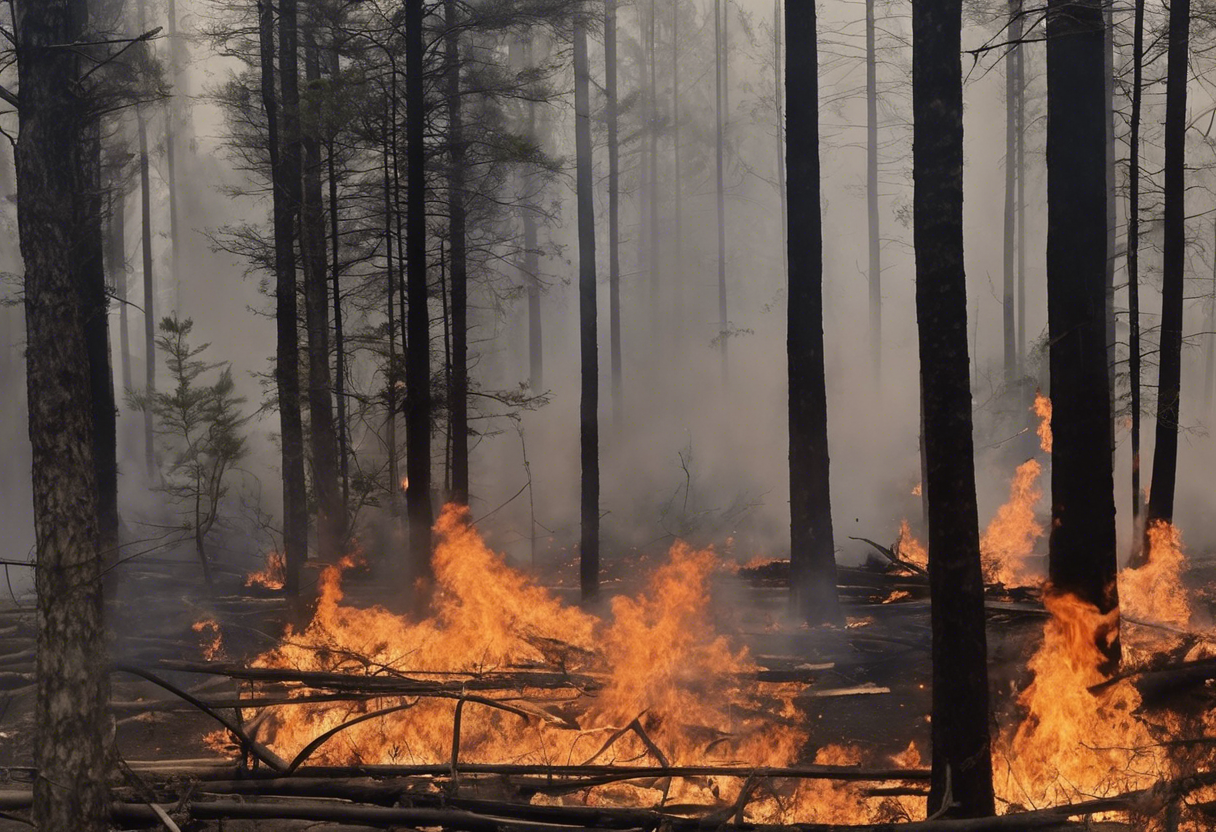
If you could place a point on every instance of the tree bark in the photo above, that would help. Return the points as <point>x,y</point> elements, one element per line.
<point>119,276</point>
<point>459,391</point>
<point>1082,544</point>
<point>72,691</point>
<point>1173,271</point>
<point>875,265</point>
<point>331,514</point>
<point>589,433</point>
<point>1108,79</point>
<point>1011,176</point>
<point>336,294</point>
<point>418,356</point>
<point>614,209</point>
<point>1020,89</point>
<point>171,116</point>
<point>653,184</point>
<point>720,187</point>
<point>962,753</point>
<point>536,358</point>
<point>812,550</point>
<point>285,178</point>
<point>1133,270</point>
<point>145,221</point>
<point>391,373</point>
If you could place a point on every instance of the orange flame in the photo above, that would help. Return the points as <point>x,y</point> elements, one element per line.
<point>908,548</point>
<point>1042,409</point>
<point>212,639</point>
<point>1155,592</point>
<point>1011,534</point>
<point>272,575</point>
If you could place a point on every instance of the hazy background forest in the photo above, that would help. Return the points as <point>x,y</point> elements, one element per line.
<point>700,446</point>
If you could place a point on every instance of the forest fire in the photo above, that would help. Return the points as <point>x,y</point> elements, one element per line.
<point>271,576</point>
<point>1042,409</point>
<point>1011,534</point>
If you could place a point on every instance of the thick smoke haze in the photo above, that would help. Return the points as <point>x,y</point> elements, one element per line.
<point>700,446</point>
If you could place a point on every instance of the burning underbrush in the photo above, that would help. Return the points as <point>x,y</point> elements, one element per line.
<point>506,673</point>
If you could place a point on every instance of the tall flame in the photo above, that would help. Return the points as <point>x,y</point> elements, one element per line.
<point>1011,534</point>
<point>1042,409</point>
<point>1155,592</point>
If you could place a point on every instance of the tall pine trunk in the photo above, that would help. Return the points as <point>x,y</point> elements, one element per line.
<point>172,111</point>
<point>653,184</point>
<point>536,356</point>
<point>1133,270</point>
<point>392,371</point>
<point>720,186</point>
<point>72,682</point>
<point>145,223</point>
<point>812,550</point>
<point>779,100</point>
<point>1011,176</point>
<point>1020,89</point>
<point>418,355</point>
<point>875,265</point>
<point>614,209</point>
<point>961,784</point>
<point>459,390</point>
<point>336,295</point>
<point>331,513</point>
<point>119,276</point>
<point>589,427</point>
<point>1173,271</point>
<point>1082,557</point>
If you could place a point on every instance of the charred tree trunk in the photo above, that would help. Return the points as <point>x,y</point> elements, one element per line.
<point>145,222</point>
<point>336,294</point>
<point>1108,77</point>
<point>677,184</point>
<point>70,791</point>
<point>418,357</point>
<point>91,274</point>
<point>812,550</point>
<point>589,433</point>
<point>171,116</point>
<point>391,372</point>
<point>1173,271</point>
<point>285,170</point>
<point>459,387</point>
<point>1020,89</point>
<point>331,514</point>
<point>1209,369</point>
<point>1133,269</point>
<point>118,273</point>
<point>653,137</point>
<point>1011,177</point>
<point>536,363</point>
<point>720,186</point>
<point>875,267</point>
<point>614,209</point>
<point>962,756</point>
<point>1082,543</point>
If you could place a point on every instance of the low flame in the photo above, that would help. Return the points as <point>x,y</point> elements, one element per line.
<point>211,638</point>
<point>1042,409</point>
<point>908,548</point>
<point>1012,533</point>
<point>1155,592</point>
<point>272,575</point>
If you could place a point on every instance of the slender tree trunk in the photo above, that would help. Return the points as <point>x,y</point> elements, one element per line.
<point>118,272</point>
<point>655,276</point>
<point>1082,543</point>
<point>779,98</point>
<point>391,373</point>
<point>447,367</point>
<point>70,749</point>
<point>331,515</point>
<point>285,175</point>
<point>872,194</point>
<point>459,390</point>
<point>336,294</point>
<point>589,433</point>
<point>145,216</point>
<point>720,127</point>
<point>172,111</point>
<point>536,364</point>
<point>1209,372</point>
<point>812,550</point>
<point>91,274</point>
<point>418,357</point>
<point>1108,77</point>
<point>677,183</point>
<point>1020,69</point>
<point>1173,271</point>
<point>614,209</point>
<point>962,756</point>
<point>1133,270</point>
<point>1011,176</point>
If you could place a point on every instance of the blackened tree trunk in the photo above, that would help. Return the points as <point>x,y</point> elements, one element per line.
<point>418,356</point>
<point>1209,364</point>
<point>536,357</point>
<point>1020,89</point>
<point>875,265</point>
<point>1133,269</point>
<point>459,389</point>
<point>589,433</point>
<point>614,208</point>
<point>90,268</point>
<point>1108,78</point>
<point>720,186</point>
<point>118,275</point>
<point>653,183</point>
<point>1173,270</point>
<point>812,550</point>
<point>336,294</point>
<point>391,374</point>
<point>779,100</point>
<point>962,753</point>
<point>287,350</point>
<point>1011,175</point>
<point>172,111</point>
<point>331,512</point>
<point>145,222</point>
<point>1082,543</point>
<point>677,184</point>
<point>70,748</point>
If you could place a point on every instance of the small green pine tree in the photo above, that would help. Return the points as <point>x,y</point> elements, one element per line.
<point>200,428</point>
